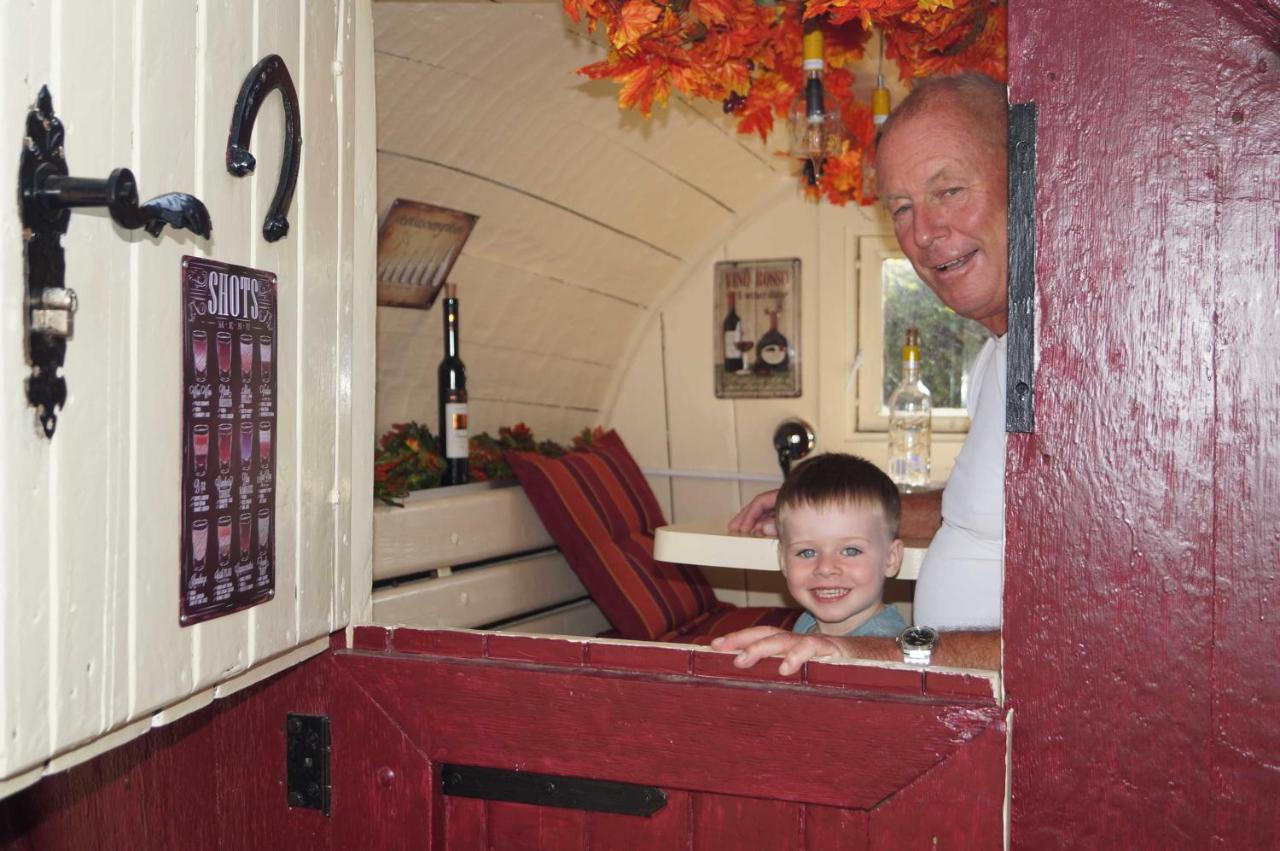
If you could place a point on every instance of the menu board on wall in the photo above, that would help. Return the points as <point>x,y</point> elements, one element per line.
<point>228,444</point>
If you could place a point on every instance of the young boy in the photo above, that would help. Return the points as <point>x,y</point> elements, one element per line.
<point>838,542</point>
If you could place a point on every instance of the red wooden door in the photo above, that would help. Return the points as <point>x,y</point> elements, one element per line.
<point>840,756</point>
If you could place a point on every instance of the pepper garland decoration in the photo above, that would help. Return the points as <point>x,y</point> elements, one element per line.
<point>408,456</point>
<point>747,55</point>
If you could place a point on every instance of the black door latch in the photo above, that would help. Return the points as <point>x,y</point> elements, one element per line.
<point>46,195</point>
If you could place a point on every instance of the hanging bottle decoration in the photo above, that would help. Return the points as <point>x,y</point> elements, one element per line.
<point>816,129</point>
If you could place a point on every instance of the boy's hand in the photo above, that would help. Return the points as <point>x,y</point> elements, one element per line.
<point>757,642</point>
<point>757,517</point>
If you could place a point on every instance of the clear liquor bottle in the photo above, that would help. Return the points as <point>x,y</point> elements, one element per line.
<point>910,422</point>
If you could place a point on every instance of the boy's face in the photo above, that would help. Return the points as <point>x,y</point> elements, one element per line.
<point>836,560</point>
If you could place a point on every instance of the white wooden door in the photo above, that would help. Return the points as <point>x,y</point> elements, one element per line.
<point>89,520</point>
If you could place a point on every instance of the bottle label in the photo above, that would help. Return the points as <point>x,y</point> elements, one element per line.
<point>773,354</point>
<point>455,430</point>
<point>730,344</point>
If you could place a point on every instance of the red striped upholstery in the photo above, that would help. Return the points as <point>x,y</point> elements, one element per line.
<point>601,513</point>
<point>730,619</point>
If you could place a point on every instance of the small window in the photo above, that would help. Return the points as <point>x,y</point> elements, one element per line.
<point>891,298</point>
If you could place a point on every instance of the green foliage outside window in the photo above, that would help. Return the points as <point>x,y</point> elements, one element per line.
<point>949,343</point>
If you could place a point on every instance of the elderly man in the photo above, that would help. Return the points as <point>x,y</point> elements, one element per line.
<point>941,169</point>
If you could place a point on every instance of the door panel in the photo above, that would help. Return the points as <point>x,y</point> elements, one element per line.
<point>89,520</point>
<point>746,761</point>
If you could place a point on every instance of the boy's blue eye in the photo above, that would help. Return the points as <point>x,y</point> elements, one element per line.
<point>851,552</point>
<point>806,553</point>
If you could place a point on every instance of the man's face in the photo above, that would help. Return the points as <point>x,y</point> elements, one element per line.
<point>947,193</point>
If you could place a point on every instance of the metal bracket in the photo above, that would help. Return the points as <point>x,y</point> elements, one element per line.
<point>552,790</point>
<point>1021,342</point>
<point>307,761</point>
<point>46,196</point>
<point>267,76</point>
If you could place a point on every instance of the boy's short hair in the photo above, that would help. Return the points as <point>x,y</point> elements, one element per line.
<point>836,479</point>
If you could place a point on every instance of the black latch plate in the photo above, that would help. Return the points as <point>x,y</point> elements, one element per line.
<point>1021,342</point>
<point>552,790</point>
<point>307,761</point>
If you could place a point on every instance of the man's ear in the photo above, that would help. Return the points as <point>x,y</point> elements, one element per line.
<point>894,563</point>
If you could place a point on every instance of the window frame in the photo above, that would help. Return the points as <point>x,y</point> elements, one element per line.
<point>869,416</point>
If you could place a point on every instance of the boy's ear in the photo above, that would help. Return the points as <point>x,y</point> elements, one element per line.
<point>894,564</point>
<point>782,557</point>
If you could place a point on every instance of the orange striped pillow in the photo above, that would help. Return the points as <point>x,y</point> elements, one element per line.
<point>601,513</point>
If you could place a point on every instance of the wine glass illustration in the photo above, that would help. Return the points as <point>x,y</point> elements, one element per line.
<point>199,543</point>
<point>246,444</point>
<point>264,357</point>
<point>224,448</point>
<point>200,448</point>
<point>224,540</point>
<point>744,344</point>
<point>246,530</point>
<point>224,356</point>
<point>264,442</point>
<point>264,529</point>
<point>246,358</point>
<point>200,354</point>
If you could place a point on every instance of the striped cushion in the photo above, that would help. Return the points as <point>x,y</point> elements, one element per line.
<point>729,619</point>
<point>600,511</point>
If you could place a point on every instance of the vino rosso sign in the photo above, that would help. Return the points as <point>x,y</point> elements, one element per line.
<point>756,337</point>
<point>228,438</point>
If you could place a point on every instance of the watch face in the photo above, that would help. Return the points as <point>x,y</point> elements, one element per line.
<point>919,636</point>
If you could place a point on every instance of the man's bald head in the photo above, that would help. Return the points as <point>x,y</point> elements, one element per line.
<point>977,95</point>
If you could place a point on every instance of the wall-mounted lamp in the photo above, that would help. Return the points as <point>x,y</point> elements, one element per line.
<point>793,439</point>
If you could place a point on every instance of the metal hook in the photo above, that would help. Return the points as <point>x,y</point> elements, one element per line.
<point>267,76</point>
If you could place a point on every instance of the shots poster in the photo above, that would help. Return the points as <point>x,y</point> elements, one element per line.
<point>756,339</point>
<point>417,246</point>
<point>229,437</point>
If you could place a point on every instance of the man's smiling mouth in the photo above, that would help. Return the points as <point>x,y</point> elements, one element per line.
<point>956,263</point>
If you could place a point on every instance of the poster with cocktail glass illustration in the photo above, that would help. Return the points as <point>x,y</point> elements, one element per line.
<point>229,428</point>
<point>756,329</point>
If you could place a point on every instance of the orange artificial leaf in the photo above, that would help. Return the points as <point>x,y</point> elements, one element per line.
<point>713,11</point>
<point>634,20</point>
<point>642,85</point>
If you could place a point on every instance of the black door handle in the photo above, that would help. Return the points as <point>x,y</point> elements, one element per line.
<point>47,194</point>
<point>119,194</point>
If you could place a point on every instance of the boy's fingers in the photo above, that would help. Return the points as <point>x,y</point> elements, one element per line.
<point>743,638</point>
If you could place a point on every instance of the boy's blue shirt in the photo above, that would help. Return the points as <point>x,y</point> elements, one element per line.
<point>887,622</point>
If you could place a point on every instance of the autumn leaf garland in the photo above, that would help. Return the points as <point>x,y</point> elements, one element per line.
<point>747,55</point>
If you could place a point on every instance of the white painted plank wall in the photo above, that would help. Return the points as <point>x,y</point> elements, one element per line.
<point>89,562</point>
<point>587,213</point>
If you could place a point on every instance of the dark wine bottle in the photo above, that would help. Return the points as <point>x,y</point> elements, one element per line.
<point>732,335</point>
<point>772,350</point>
<point>451,383</point>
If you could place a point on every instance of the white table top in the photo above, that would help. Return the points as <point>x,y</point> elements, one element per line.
<point>709,543</point>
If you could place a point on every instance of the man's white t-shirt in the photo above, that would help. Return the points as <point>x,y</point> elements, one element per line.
<point>962,574</point>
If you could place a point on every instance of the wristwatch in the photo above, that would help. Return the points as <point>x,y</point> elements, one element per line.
<point>917,643</point>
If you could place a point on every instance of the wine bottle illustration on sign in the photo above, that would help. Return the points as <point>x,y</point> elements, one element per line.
<point>732,336</point>
<point>772,350</point>
<point>451,379</point>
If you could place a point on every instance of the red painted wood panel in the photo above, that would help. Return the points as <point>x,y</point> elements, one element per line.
<point>1246,615</point>
<point>667,731</point>
<point>835,829</point>
<point>723,822</point>
<point>669,827</point>
<point>1141,537</point>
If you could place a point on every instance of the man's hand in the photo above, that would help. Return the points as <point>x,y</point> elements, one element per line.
<point>757,518</point>
<point>757,642</point>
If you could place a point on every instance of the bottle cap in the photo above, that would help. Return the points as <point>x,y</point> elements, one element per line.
<point>879,106</point>
<point>813,50</point>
